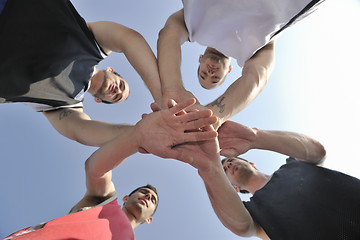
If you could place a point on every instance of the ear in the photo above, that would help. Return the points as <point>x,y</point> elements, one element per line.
<point>98,100</point>
<point>200,57</point>
<point>125,198</point>
<point>109,69</point>
<point>237,189</point>
<point>230,68</point>
<point>148,220</point>
<point>252,164</point>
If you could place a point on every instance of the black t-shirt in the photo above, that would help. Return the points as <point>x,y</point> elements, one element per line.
<point>304,201</point>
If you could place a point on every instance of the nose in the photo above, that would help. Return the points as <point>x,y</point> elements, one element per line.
<point>211,70</point>
<point>228,165</point>
<point>117,90</point>
<point>147,196</point>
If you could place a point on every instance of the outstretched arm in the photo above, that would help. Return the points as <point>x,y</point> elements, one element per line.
<point>73,123</point>
<point>225,201</point>
<point>171,37</point>
<point>236,139</point>
<point>244,90</point>
<point>118,38</point>
<point>98,168</point>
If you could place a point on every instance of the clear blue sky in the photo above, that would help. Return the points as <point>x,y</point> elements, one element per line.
<point>313,89</point>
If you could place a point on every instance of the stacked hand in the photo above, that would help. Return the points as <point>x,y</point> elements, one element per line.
<point>235,139</point>
<point>160,131</point>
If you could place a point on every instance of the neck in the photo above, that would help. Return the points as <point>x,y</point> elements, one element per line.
<point>257,181</point>
<point>133,222</point>
<point>96,81</point>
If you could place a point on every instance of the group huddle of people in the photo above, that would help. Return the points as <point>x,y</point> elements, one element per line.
<point>49,55</point>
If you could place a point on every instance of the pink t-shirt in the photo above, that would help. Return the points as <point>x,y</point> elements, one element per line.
<point>107,222</point>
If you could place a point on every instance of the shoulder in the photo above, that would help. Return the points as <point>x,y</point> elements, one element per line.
<point>89,201</point>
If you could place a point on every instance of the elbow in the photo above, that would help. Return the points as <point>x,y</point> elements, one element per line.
<point>90,170</point>
<point>161,34</point>
<point>164,35</point>
<point>257,73</point>
<point>317,154</point>
<point>136,36</point>
<point>242,230</point>
<point>320,153</point>
<point>173,35</point>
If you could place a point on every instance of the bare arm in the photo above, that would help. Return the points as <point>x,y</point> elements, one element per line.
<point>171,37</point>
<point>73,123</point>
<point>98,168</point>
<point>244,90</point>
<point>236,139</point>
<point>227,204</point>
<point>118,38</point>
<point>224,199</point>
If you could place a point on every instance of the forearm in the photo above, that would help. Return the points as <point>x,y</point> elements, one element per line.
<point>78,126</point>
<point>97,133</point>
<point>291,144</point>
<point>99,166</point>
<point>227,204</point>
<point>112,154</point>
<point>244,90</point>
<point>170,39</point>
<point>239,94</point>
<point>142,58</point>
<point>169,60</point>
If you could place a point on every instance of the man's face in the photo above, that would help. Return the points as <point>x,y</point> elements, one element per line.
<point>113,89</point>
<point>238,171</point>
<point>213,69</point>
<point>142,204</point>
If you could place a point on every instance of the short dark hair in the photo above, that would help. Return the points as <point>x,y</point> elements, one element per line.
<point>242,159</point>
<point>151,187</point>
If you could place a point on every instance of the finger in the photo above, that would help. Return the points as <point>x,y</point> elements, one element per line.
<point>181,106</point>
<point>142,150</point>
<point>202,123</point>
<point>191,116</point>
<point>198,136</point>
<point>155,107</point>
<point>228,153</point>
<point>172,103</point>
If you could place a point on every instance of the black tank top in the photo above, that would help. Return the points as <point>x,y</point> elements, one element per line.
<point>302,201</point>
<point>47,52</point>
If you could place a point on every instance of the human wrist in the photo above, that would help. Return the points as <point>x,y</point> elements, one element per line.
<point>139,133</point>
<point>260,136</point>
<point>211,172</point>
<point>174,88</point>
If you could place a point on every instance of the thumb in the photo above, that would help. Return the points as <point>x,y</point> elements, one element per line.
<point>171,103</point>
<point>155,107</point>
<point>230,152</point>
